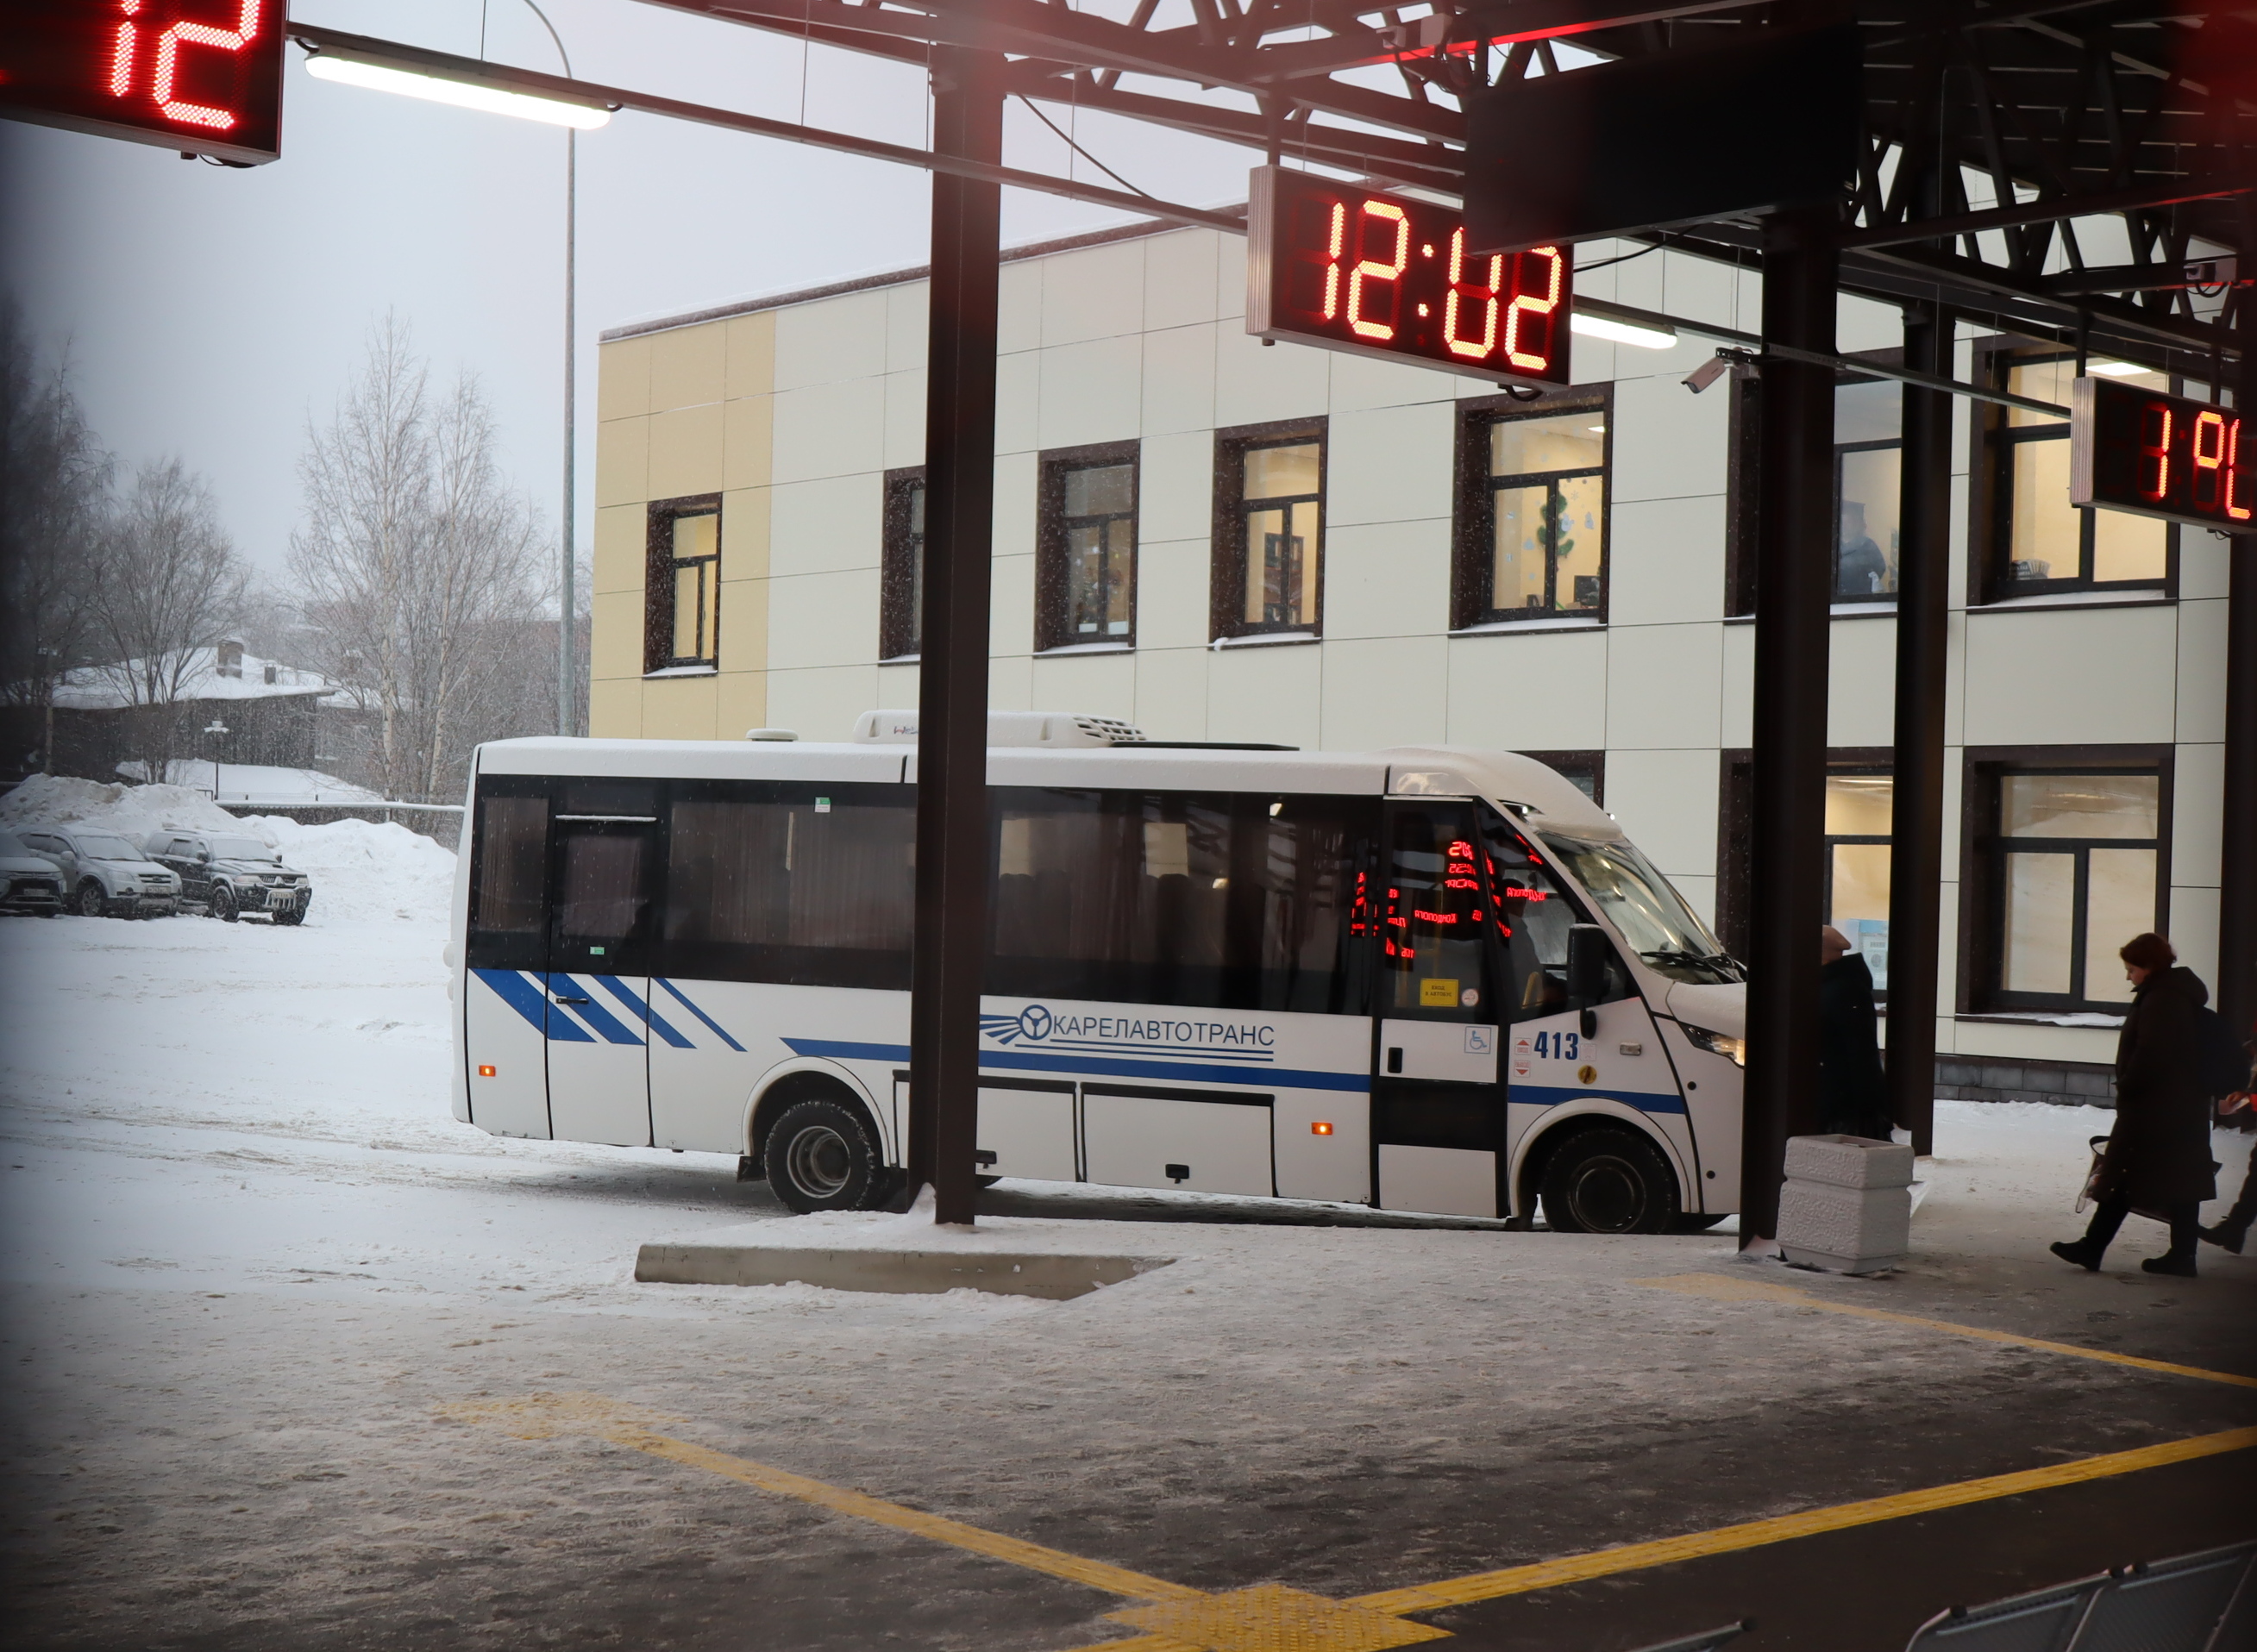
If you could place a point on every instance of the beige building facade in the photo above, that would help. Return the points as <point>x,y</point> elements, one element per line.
<point>1214,540</point>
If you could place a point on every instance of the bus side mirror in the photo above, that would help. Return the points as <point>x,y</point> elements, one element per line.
<point>1586,972</point>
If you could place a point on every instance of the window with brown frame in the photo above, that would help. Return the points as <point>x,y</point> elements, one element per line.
<point>2030,540</point>
<point>1531,539</point>
<point>901,565</point>
<point>1269,530</point>
<point>1859,795</point>
<point>1086,547</point>
<point>681,584</point>
<point>2066,857</point>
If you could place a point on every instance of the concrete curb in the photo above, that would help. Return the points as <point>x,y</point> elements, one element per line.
<point>1009,1274</point>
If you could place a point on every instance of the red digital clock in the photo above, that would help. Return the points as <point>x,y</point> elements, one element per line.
<point>1386,275</point>
<point>2133,450</point>
<point>200,75</point>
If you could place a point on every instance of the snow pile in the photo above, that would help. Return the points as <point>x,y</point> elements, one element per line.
<point>133,812</point>
<point>364,870</point>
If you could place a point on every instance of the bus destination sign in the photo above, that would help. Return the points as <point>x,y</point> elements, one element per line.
<point>2169,456</point>
<point>1351,269</point>
<point>200,76</point>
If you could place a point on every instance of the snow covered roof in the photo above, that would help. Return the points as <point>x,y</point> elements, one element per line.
<point>220,673</point>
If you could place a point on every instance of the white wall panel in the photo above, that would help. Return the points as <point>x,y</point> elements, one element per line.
<point>831,342</point>
<point>2198,815</point>
<point>822,619</point>
<point>2202,671</point>
<point>1019,307</point>
<point>1175,488</point>
<point>1171,692</point>
<point>905,394</point>
<point>1092,392</point>
<point>1391,464</point>
<point>908,326</point>
<point>1861,682</point>
<point>1254,386</point>
<point>1271,693</point>
<point>830,430</point>
<point>1102,685</point>
<point>1666,561</point>
<point>1178,381</point>
<point>1667,801</point>
<point>1664,683</point>
<point>1093,293</point>
<point>821,704</point>
<point>1669,444</point>
<point>1529,691</point>
<point>1382,692</point>
<point>2090,676</point>
<point>827,526</point>
<point>1172,595</point>
<point>1388,580</point>
<point>1180,274</point>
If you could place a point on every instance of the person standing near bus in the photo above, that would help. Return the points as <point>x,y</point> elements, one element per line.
<point>2158,1155</point>
<point>1853,1093</point>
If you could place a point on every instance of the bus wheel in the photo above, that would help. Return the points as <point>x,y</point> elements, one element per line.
<point>1607,1182</point>
<point>819,1157</point>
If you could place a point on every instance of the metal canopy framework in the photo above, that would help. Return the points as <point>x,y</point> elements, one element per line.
<point>1989,129</point>
<point>2078,171</point>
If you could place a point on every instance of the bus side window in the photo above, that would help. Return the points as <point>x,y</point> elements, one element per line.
<point>510,895</point>
<point>1533,915</point>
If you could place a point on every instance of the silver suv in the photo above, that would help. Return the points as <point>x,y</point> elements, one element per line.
<point>28,882</point>
<point>106,876</point>
<point>229,876</point>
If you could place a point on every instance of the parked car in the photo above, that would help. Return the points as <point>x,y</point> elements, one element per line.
<point>28,882</point>
<point>229,876</point>
<point>106,876</point>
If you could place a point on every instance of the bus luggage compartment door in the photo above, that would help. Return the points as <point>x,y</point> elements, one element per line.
<point>1026,1128</point>
<point>1206,1140</point>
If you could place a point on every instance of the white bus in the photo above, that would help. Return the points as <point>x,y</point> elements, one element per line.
<point>1426,979</point>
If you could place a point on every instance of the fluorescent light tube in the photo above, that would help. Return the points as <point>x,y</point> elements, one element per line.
<point>1622,332</point>
<point>2116,369</point>
<point>377,77</point>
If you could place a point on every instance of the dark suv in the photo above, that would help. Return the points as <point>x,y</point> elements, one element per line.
<point>28,882</point>
<point>229,876</point>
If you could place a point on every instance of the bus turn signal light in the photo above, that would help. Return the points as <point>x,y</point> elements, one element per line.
<point>485,1072</point>
<point>1320,1128</point>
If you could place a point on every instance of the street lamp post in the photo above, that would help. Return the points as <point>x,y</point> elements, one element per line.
<point>567,627</point>
<point>215,727</point>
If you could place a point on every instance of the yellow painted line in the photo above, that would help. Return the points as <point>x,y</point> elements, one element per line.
<point>547,1416</point>
<point>1721,1288</point>
<point>1606,1562</point>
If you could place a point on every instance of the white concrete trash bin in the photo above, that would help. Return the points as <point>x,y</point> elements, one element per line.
<point>1847,1204</point>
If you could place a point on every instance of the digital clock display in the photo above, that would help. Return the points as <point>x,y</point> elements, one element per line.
<point>200,75</point>
<point>2133,450</point>
<point>1349,269</point>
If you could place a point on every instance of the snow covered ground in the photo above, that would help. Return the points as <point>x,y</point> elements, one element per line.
<point>247,1252</point>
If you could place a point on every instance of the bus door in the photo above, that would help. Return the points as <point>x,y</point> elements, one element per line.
<point>505,1006</point>
<point>1555,1054</point>
<point>1438,1112</point>
<point>603,878</point>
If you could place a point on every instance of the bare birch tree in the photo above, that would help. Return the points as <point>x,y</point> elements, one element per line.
<point>419,568</point>
<point>167,585</point>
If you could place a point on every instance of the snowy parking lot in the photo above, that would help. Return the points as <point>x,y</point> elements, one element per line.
<point>251,1261</point>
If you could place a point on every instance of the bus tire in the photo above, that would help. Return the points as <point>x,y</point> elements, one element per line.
<point>1607,1181</point>
<point>819,1156</point>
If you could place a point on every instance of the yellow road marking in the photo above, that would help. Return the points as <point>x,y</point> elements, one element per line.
<point>1604,1563</point>
<point>546,1416</point>
<point>1271,1617</point>
<point>1722,1288</point>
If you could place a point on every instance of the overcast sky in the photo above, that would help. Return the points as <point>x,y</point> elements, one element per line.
<point>210,311</point>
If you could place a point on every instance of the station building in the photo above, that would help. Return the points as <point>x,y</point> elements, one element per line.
<point>1214,540</point>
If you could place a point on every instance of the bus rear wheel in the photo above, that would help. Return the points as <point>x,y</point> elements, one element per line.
<point>819,1156</point>
<point>1607,1181</point>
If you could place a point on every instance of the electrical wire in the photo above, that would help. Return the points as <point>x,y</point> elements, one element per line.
<point>1623,259</point>
<point>1079,151</point>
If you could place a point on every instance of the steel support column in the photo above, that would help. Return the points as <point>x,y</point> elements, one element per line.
<point>1916,812</point>
<point>952,825</point>
<point>1794,565</point>
<point>2237,882</point>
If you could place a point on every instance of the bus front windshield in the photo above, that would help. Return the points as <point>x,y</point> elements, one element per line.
<point>1651,915</point>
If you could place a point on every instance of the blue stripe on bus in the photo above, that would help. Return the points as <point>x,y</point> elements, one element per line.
<point>1554,1095</point>
<point>709,1021</point>
<point>1212,1073</point>
<point>592,1013</point>
<point>625,995</point>
<point>523,994</point>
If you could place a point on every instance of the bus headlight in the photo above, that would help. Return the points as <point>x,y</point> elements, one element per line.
<point>1733,1049</point>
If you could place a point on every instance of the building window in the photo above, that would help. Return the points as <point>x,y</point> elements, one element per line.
<point>1586,771</point>
<point>1086,572</point>
<point>2037,542</point>
<point>682,603</point>
<point>900,571</point>
<point>1868,467</point>
<point>1857,810</point>
<point>1268,532</point>
<point>1533,513</point>
<point>2069,864</point>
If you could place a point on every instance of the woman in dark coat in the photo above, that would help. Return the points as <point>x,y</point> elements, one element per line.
<point>1853,1091</point>
<point>2158,1154</point>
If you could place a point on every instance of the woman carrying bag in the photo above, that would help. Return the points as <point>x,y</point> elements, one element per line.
<point>2158,1155</point>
